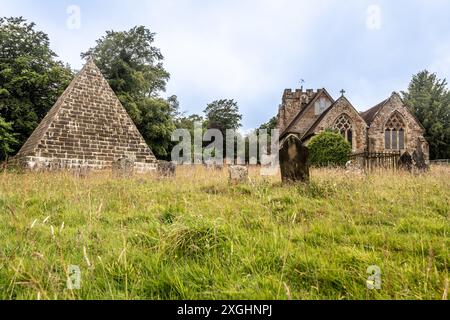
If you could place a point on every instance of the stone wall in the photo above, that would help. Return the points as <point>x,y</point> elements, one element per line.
<point>292,104</point>
<point>414,134</point>
<point>343,106</point>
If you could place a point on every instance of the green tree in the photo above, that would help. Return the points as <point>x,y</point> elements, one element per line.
<point>31,80</point>
<point>7,139</point>
<point>329,149</point>
<point>429,100</point>
<point>224,115</point>
<point>134,69</point>
<point>271,125</point>
<point>188,122</point>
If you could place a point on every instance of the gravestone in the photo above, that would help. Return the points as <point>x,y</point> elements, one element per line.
<point>406,162</point>
<point>353,166</point>
<point>166,169</point>
<point>123,167</point>
<point>294,161</point>
<point>419,161</point>
<point>238,174</point>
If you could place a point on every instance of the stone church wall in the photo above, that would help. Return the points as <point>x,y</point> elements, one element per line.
<point>342,106</point>
<point>414,135</point>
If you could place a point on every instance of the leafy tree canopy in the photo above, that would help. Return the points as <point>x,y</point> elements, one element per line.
<point>222,115</point>
<point>31,79</point>
<point>269,126</point>
<point>429,100</point>
<point>7,139</point>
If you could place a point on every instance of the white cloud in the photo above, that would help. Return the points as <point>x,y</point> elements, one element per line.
<point>234,49</point>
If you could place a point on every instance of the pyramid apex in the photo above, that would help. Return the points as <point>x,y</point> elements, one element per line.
<point>90,60</point>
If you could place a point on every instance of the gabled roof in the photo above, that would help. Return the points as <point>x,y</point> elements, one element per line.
<point>313,127</point>
<point>302,112</point>
<point>370,114</point>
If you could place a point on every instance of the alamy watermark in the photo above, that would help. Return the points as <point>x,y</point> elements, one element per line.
<point>73,21</point>
<point>373,21</point>
<point>374,280</point>
<point>73,278</point>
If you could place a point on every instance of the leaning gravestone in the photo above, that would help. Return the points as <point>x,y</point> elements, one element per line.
<point>406,162</point>
<point>418,160</point>
<point>238,174</point>
<point>294,161</point>
<point>123,167</point>
<point>166,169</point>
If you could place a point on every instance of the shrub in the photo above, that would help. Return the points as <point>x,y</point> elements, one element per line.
<point>329,149</point>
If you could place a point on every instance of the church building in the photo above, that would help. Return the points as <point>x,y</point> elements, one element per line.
<point>387,127</point>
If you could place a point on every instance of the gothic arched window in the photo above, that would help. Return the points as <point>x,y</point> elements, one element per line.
<point>394,133</point>
<point>344,126</point>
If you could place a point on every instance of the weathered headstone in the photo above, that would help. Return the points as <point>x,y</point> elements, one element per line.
<point>294,161</point>
<point>406,162</point>
<point>238,174</point>
<point>166,169</point>
<point>353,166</point>
<point>418,160</point>
<point>123,167</point>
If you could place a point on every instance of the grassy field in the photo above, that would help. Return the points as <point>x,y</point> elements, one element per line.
<point>196,237</point>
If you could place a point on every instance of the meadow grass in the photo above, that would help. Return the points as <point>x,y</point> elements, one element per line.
<point>197,237</point>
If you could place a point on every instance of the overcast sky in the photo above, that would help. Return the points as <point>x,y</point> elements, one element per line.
<point>252,50</point>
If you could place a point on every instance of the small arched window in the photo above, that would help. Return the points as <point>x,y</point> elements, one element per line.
<point>394,133</point>
<point>344,126</point>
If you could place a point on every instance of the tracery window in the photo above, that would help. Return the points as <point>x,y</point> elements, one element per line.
<point>344,126</point>
<point>394,134</point>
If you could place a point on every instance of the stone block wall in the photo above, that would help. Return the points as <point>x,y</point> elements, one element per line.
<point>87,126</point>
<point>414,133</point>
<point>343,106</point>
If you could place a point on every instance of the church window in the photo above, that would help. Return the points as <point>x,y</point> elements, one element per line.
<point>395,133</point>
<point>344,125</point>
<point>401,139</point>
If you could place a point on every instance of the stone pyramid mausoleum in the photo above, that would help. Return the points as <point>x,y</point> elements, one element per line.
<point>87,127</point>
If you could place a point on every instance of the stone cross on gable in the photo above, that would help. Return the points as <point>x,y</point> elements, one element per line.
<point>342,92</point>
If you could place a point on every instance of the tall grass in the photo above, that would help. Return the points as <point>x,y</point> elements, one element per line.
<point>196,237</point>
